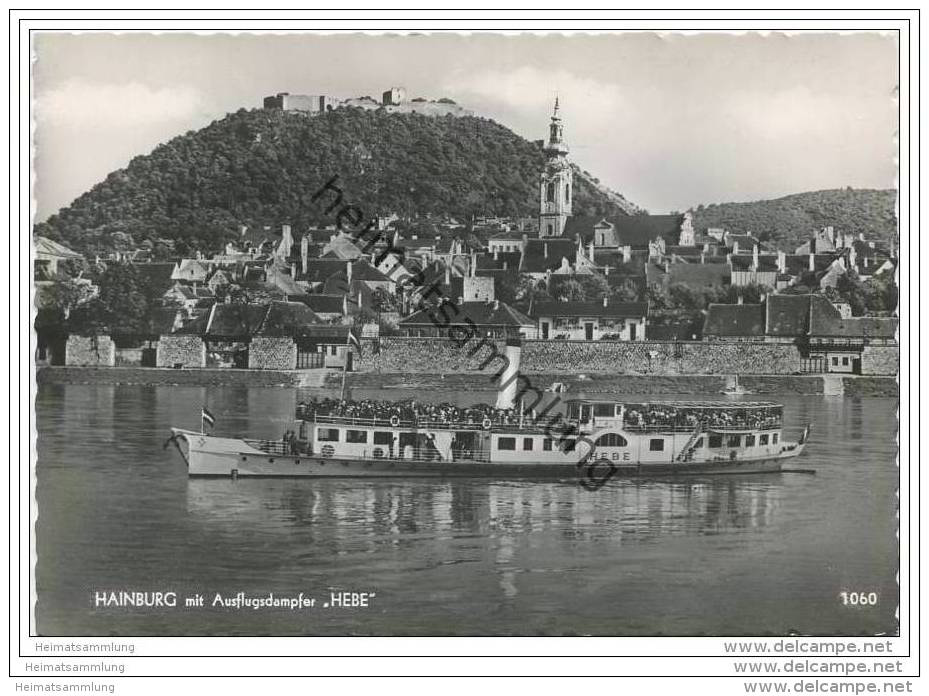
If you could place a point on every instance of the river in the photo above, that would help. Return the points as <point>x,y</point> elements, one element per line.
<point>751,555</point>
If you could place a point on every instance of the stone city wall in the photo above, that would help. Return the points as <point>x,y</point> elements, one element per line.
<point>271,353</point>
<point>436,355</point>
<point>432,355</point>
<point>880,360</point>
<point>181,349</point>
<point>91,351</point>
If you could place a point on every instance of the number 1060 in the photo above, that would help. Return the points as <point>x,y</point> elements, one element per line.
<point>858,599</point>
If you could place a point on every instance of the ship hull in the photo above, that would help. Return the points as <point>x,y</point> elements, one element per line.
<point>208,456</point>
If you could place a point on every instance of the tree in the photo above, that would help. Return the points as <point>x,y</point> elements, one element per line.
<point>881,294</point>
<point>120,307</point>
<point>571,290</point>
<point>384,301</point>
<point>579,287</point>
<point>64,296</point>
<point>627,291</point>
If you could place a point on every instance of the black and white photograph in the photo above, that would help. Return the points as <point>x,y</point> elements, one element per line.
<point>466,334</point>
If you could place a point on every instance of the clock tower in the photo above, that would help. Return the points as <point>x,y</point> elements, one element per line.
<point>556,182</point>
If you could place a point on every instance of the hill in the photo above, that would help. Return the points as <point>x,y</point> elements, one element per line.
<point>790,219</point>
<point>262,167</point>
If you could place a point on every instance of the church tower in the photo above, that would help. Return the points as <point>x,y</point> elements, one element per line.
<point>556,183</point>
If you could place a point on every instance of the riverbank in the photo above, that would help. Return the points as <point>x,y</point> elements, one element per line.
<point>707,385</point>
<point>195,376</point>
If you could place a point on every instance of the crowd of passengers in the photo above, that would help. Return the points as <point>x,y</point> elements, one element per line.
<point>408,411</point>
<point>635,415</point>
<point>656,415</point>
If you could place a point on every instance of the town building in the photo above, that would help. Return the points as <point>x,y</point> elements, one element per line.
<point>48,255</point>
<point>591,321</point>
<point>481,319</point>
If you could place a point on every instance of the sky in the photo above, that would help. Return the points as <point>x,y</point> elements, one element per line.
<point>670,121</point>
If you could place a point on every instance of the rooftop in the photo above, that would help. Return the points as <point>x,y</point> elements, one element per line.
<point>590,309</point>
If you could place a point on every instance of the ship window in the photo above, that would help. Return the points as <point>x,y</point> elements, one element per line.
<point>716,441</point>
<point>356,436</point>
<point>656,445</point>
<point>527,444</point>
<point>604,410</point>
<point>749,440</point>
<point>835,361</point>
<point>845,361</point>
<point>327,434</point>
<point>382,438</point>
<point>550,193</point>
<point>506,443</point>
<point>547,444</point>
<point>762,439</point>
<point>774,439</point>
<point>612,440</point>
<point>734,440</point>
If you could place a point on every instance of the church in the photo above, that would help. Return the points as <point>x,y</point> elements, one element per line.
<point>652,233</point>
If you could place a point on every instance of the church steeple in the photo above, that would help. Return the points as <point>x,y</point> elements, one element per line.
<point>556,133</point>
<point>555,194</point>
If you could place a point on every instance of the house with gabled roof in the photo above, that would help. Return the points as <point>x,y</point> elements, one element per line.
<point>541,257</point>
<point>482,319</point>
<point>236,335</point>
<point>192,271</point>
<point>48,255</point>
<point>734,322</point>
<point>698,275</point>
<point>754,268</point>
<point>590,321</point>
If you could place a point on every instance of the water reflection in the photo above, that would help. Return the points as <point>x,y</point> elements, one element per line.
<point>370,516</point>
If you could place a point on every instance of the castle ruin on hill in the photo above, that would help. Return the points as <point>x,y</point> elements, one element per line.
<point>394,100</point>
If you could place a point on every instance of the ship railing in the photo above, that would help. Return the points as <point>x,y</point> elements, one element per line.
<point>689,427</point>
<point>531,426</point>
<point>272,446</point>
<point>424,424</point>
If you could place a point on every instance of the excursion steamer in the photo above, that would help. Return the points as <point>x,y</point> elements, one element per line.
<point>367,439</point>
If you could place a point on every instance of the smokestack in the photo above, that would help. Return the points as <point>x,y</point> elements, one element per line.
<point>606,301</point>
<point>545,249</point>
<point>812,262</point>
<point>348,271</point>
<point>496,253</point>
<point>755,256</point>
<point>506,395</point>
<point>448,276</point>
<point>473,264</point>
<point>781,261</point>
<point>735,247</point>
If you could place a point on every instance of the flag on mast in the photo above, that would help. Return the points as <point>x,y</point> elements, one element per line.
<point>207,418</point>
